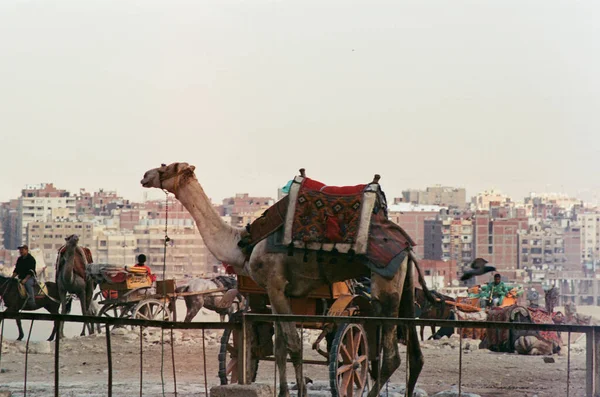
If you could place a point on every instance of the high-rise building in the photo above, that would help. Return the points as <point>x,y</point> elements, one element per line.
<point>449,237</point>
<point>590,238</point>
<point>43,203</point>
<point>411,217</point>
<point>496,240</point>
<point>539,246</point>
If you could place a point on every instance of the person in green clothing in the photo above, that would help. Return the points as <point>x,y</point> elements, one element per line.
<point>494,292</point>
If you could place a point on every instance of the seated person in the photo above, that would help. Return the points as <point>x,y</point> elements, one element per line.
<point>141,263</point>
<point>494,292</point>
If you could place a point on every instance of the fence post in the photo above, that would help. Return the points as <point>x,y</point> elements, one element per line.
<point>590,363</point>
<point>57,325</point>
<point>243,353</point>
<point>596,353</point>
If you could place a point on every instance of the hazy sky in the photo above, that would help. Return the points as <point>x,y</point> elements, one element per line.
<point>477,94</point>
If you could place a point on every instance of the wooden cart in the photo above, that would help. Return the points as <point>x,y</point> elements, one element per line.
<point>135,297</point>
<point>348,349</point>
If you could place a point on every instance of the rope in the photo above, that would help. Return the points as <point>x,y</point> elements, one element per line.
<point>141,362</point>
<point>568,363</point>
<point>204,361</point>
<point>460,354</point>
<point>164,271</point>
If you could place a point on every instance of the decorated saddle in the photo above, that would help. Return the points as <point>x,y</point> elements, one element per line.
<point>40,290</point>
<point>80,266</point>
<point>349,220</point>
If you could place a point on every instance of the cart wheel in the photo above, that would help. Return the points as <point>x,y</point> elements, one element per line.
<point>228,359</point>
<point>114,310</point>
<point>349,361</point>
<point>151,309</point>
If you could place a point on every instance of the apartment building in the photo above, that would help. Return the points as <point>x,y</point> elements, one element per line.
<point>411,217</point>
<point>539,246</point>
<point>186,253</point>
<point>437,195</point>
<point>48,237</point>
<point>590,238</point>
<point>449,238</point>
<point>43,203</point>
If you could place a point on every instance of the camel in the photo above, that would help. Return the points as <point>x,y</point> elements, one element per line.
<point>291,274</point>
<point>73,281</point>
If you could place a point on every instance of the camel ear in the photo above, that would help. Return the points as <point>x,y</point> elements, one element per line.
<point>192,168</point>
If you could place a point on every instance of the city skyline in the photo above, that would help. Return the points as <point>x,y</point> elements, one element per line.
<point>151,195</point>
<point>459,94</point>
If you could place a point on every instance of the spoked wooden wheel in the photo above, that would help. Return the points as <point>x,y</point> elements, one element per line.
<point>349,361</point>
<point>151,309</point>
<point>228,359</point>
<point>114,310</point>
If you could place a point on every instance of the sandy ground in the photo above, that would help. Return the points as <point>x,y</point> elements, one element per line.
<point>83,367</point>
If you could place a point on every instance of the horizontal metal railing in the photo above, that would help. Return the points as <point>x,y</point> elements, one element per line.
<point>592,335</point>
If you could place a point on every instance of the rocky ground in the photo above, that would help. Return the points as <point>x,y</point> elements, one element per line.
<point>83,368</point>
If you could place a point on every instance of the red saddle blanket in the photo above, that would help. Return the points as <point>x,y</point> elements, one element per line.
<point>79,267</point>
<point>319,217</point>
<point>327,214</point>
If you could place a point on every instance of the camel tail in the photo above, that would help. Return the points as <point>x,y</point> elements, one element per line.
<point>428,295</point>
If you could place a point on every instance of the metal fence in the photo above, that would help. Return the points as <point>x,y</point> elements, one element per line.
<point>592,339</point>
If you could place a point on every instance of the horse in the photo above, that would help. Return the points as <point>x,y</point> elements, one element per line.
<point>9,291</point>
<point>218,301</point>
<point>439,310</point>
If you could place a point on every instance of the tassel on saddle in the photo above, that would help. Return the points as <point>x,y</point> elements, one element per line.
<point>321,255</point>
<point>305,253</point>
<point>351,255</point>
<point>334,254</point>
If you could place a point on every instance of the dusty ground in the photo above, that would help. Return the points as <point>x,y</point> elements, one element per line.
<point>83,368</point>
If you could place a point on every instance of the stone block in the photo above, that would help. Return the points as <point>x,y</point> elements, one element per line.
<point>253,390</point>
<point>5,393</point>
<point>453,392</point>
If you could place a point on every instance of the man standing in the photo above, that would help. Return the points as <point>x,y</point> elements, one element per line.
<point>25,271</point>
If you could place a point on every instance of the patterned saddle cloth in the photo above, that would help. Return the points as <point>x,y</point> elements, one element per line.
<point>40,290</point>
<point>327,217</point>
<point>350,220</point>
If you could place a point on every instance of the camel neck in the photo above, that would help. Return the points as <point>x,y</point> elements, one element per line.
<point>220,238</point>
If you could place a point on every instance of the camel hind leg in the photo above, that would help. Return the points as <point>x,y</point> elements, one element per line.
<point>413,347</point>
<point>387,295</point>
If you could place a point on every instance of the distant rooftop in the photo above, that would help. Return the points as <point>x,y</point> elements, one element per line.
<point>410,207</point>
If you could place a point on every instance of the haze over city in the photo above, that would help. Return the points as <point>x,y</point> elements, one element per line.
<point>477,95</point>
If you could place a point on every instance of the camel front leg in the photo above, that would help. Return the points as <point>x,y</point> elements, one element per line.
<point>287,340</point>
<point>62,294</point>
<point>84,312</point>
<point>387,294</point>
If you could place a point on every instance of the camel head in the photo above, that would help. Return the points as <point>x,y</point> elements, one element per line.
<point>168,177</point>
<point>72,240</point>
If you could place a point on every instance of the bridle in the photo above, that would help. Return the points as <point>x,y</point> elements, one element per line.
<point>177,176</point>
